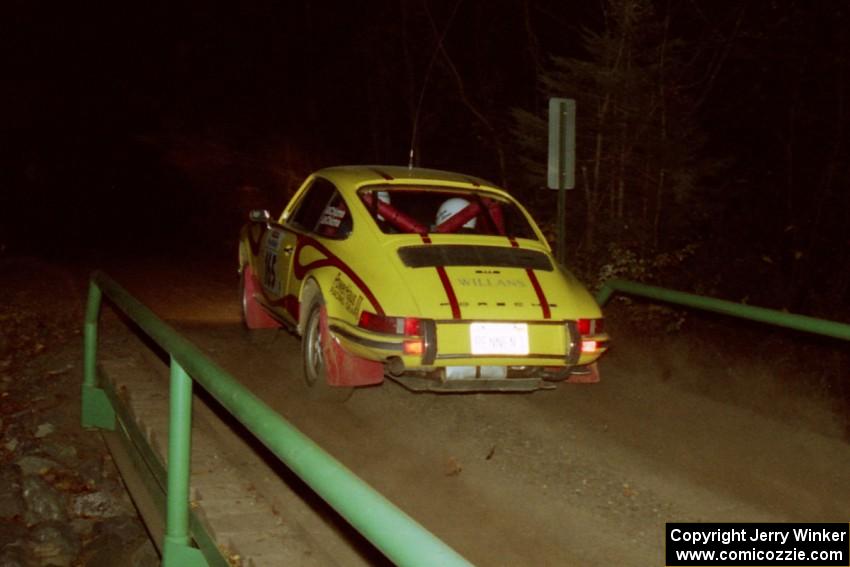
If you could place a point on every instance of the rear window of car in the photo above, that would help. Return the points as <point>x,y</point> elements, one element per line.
<point>424,210</point>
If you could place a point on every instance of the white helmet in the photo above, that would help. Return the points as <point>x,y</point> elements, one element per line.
<point>450,208</point>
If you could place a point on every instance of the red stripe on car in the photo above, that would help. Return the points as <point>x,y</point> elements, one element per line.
<point>447,284</point>
<point>538,289</point>
<point>541,297</point>
<point>383,174</point>
<point>330,260</point>
<point>450,292</point>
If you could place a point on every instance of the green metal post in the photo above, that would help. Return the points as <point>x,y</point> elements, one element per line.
<point>90,334</point>
<point>760,314</point>
<point>176,548</point>
<point>97,411</point>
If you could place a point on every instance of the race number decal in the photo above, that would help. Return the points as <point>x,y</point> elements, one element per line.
<point>270,279</point>
<point>332,216</point>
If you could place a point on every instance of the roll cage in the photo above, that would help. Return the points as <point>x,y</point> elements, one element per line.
<point>415,214</point>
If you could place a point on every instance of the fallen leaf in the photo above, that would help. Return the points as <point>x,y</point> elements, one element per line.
<point>453,467</point>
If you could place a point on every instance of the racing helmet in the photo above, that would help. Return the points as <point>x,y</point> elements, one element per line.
<point>450,208</point>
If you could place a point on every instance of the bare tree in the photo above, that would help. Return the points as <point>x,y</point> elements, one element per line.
<point>635,136</point>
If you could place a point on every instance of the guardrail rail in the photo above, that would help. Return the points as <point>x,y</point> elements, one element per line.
<point>761,314</point>
<point>184,543</point>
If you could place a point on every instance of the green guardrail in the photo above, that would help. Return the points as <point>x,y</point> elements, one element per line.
<point>760,314</point>
<point>397,535</point>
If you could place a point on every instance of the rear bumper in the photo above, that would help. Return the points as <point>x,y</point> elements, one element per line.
<point>447,343</point>
<point>441,382</point>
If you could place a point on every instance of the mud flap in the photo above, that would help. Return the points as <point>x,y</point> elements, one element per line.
<point>342,367</point>
<point>590,377</point>
<point>255,316</point>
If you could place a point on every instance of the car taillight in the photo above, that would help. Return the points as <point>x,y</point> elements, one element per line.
<point>588,346</point>
<point>411,326</point>
<point>377,323</point>
<point>590,326</point>
<point>408,326</point>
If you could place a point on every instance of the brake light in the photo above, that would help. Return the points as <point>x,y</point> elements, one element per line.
<point>377,323</point>
<point>589,326</point>
<point>411,326</point>
<point>408,326</point>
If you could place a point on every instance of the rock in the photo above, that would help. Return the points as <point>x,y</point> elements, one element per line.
<point>44,429</point>
<point>32,465</point>
<point>53,543</point>
<point>11,497</point>
<point>99,505</point>
<point>42,502</point>
<point>61,451</point>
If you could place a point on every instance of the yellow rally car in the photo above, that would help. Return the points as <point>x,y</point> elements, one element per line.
<point>438,280</point>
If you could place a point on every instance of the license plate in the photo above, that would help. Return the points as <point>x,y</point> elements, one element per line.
<point>499,338</point>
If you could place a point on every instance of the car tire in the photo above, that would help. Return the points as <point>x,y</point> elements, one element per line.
<point>315,366</point>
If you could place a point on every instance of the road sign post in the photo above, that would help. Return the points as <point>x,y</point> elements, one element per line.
<point>562,160</point>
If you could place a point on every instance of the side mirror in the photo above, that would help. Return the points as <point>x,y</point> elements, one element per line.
<point>259,215</point>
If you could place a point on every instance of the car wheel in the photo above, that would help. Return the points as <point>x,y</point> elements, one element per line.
<point>315,365</point>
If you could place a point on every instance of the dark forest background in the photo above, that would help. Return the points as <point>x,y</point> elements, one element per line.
<point>712,137</point>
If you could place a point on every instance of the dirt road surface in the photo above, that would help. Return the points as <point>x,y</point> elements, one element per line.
<point>582,475</point>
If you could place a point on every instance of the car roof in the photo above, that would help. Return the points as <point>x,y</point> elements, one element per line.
<point>356,176</point>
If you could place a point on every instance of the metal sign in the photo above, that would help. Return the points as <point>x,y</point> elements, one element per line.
<point>562,143</point>
<point>562,161</point>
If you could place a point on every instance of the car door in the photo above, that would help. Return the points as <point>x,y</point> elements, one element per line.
<point>281,242</point>
<point>275,255</point>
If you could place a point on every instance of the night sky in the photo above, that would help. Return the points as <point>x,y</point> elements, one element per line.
<point>139,123</point>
